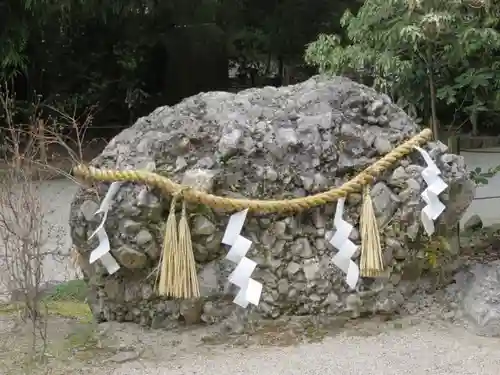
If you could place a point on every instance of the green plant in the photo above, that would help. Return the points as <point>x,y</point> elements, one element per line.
<point>73,290</point>
<point>482,178</point>
<point>436,252</point>
<point>431,56</point>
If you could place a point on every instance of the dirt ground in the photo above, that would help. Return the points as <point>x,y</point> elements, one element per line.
<point>76,345</point>
<point>296,346</point>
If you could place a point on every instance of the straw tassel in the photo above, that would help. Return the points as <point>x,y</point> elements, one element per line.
<point>188,286</point>
<point>168,256</point>
<point>371,264</point>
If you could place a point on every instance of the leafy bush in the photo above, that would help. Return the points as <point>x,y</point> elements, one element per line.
<point>437,58</point>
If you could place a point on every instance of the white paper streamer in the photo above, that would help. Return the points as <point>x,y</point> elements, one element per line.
<point>435,186</point>
<point>346,248</point>
<point>250,290</point>
<point>101,252</point>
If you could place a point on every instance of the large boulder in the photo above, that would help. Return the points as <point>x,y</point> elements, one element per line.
<point>265,143</point>
<point>476,291</point>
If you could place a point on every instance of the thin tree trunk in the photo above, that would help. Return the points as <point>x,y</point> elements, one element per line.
<point>432,91</point>
<point>473,119</point>
<point>42,144</point>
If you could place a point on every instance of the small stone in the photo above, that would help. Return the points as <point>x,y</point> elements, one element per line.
<point>208,280</point>
<point>202,226</point>
<point>147,291</point>
<point>400,254</point>
<point>130,258</point>
<point>302,248</point>
<point>376,107</point>
<point>199,179</point>
<point>399,176</point>
<point>332,298</point>
<point>153,251</point>
<point>143,237</point>
<point>159,321</point>
<point>180,164</point>
<point>191,311</point>
<point>293,268</point>
<point>315,298</point>
<point>122,357</point>
<point>311,269</point>
<point>353,304</point>
<point>319,220</point>
<point>473,223</point>
<point>88,210</point>
<point>383,145</point>
<point>267,239</point>
<point>307,182</point>
<point>320,244</point>
<point>131,226</point>
<point>283,286</point>
<point>384,203</point>
<point>279,229</point>
<point>395,278</point>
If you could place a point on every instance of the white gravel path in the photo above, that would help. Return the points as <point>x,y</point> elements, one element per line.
<point>419,350</point>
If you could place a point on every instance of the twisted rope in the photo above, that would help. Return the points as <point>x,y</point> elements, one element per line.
<point>226,204</point>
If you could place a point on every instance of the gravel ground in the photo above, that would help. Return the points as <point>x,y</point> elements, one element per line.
<point>418,350</point>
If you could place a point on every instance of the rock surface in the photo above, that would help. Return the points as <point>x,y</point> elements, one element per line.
<point>265,143</point>
<point>477,291</point>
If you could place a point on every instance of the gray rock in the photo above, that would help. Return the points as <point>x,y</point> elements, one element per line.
<point>479,292</point>
<point>382,145</point>
<point>302,248</point>
<point>283,286</point>
<point>384,201</point>
<point>122,357</point>
<point>264,143</point>
<point>131,226</point>
<point>130,258</point>
<point>293,268</point>
<point>209,280</point>
<point>311,269</point>
<point>203,226</point>
<point>473,223</point>
<point>88,210</point>
<point>144,237</point>
<point>200,179</point>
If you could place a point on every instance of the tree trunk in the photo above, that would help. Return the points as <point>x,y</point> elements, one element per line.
<point>432,91</point>
<point>473,119</point>
<point>42,144</point>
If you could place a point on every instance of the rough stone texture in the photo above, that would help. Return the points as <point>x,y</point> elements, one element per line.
<point>477,291</point>
<point>265,143</point>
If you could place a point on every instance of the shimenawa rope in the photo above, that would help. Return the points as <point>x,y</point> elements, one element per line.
<point>177,271</point>
<point>170,187</point>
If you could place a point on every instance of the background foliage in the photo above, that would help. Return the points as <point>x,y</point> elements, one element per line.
<point>130,56</point>
<point>437,58</point>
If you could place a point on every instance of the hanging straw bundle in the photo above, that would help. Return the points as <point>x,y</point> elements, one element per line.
<point>371,264</point>
<point>168,255</point>
<point>187,277</point>
<point>178,276</point>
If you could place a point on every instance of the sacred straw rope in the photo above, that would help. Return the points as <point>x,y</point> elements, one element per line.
<point>371,263</point>
<point>177,271</point>
<point>354,185</point>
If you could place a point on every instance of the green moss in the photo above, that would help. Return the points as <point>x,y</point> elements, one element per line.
<point>67,300</point>
<point>73,290</point>
<point>67,309</point>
